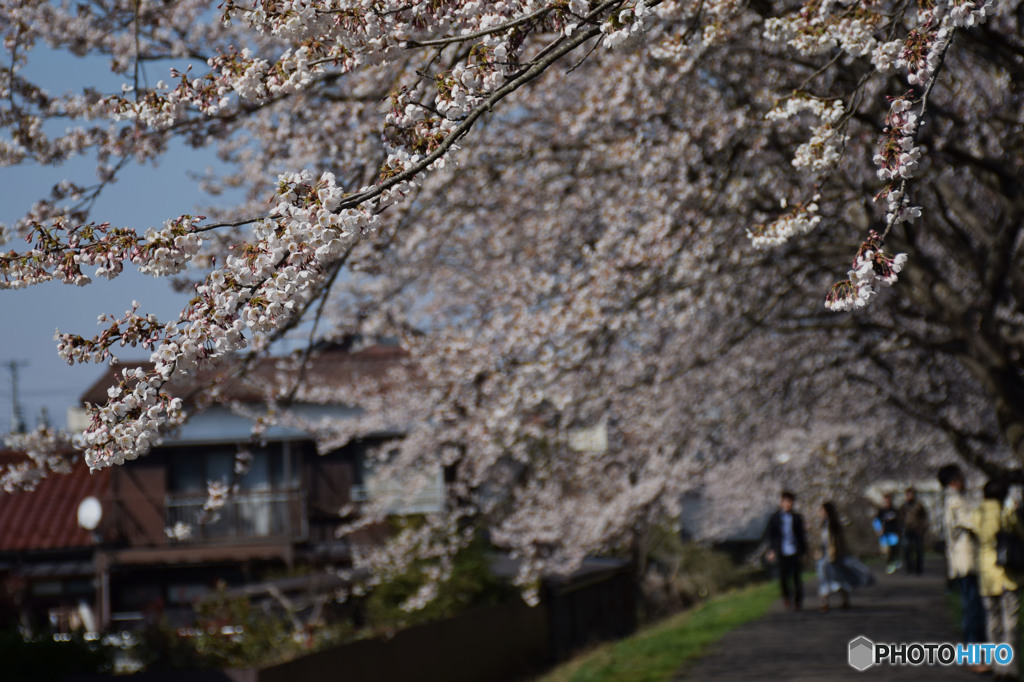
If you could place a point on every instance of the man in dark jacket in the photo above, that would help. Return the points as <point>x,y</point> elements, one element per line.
<point>788,545</point>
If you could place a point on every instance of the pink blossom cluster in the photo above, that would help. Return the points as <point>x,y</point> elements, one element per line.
<point>133,419</point>
<point>60,249</point>
<point>217,495</point>
<point>624,23</point>
<point>821,26</point>
<point>129,330</point>
<point>921,54</point>
<point>46,451</point>
<point>885,56</point>
<point>899,155</point>
<point>899,209</point>
<point>872,267</point>
<point>969,13</point>
<point>179,532</point>
<point>821,153</point>
<point>801,219</point>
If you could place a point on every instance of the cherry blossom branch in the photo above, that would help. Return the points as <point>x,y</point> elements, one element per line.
<point>898,159</point>
<point>460,130</point>
<point>894,217</point>
<point>436,42</point>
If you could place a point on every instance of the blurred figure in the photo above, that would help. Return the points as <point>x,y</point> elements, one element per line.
<point>887,528</point>
<point>961,551</point>
<point>838,571</point>
<point>914,519</point>
<point>999,590</point>
<point>788,544</point>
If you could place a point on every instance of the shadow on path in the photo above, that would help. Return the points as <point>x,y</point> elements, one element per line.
<point>809,645</point>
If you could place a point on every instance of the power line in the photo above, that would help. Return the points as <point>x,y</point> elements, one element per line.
<point>17,420</point>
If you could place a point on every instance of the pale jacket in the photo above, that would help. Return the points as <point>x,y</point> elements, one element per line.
<point>989,519</point>
<point>959,532</point>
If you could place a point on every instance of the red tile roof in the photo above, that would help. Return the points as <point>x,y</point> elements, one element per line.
<point>47,517</point>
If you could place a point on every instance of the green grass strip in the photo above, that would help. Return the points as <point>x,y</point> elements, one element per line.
<point>656,652</point>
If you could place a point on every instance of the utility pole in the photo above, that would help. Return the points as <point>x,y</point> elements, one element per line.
<point>17,420</point>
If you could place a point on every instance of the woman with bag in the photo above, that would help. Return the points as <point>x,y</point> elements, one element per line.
<point>996,527</point>
<point>838,571</point>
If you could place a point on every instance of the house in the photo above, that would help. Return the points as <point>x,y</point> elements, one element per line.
<point>207,507</point>
<point>47,575</point>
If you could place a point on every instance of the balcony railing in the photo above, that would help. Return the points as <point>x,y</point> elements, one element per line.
<point>430,497</point>
<point>252,515</point>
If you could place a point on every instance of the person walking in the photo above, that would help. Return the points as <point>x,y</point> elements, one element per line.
<point>838,570</point>
<point>914,519</point>
<point>788,544</point>
<point>887,527</point>
<point>999,590</point>
<point>961,553</point>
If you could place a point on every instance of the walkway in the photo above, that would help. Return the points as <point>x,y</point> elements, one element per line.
<point>808,645</point>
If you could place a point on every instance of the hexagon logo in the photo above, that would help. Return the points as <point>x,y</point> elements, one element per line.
<point>862,653</point>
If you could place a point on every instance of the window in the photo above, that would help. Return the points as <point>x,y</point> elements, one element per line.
<point>264,502</point>
<point>271,468</point>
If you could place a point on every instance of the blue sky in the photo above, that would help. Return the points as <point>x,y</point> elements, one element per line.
<point>30,316</point>
<point>142,197</point>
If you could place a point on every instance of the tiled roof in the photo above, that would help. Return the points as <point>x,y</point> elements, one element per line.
<point>47,517</point>
<point>328,367</point>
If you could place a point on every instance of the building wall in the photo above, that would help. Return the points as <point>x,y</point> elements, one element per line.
<point>137,515</point>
